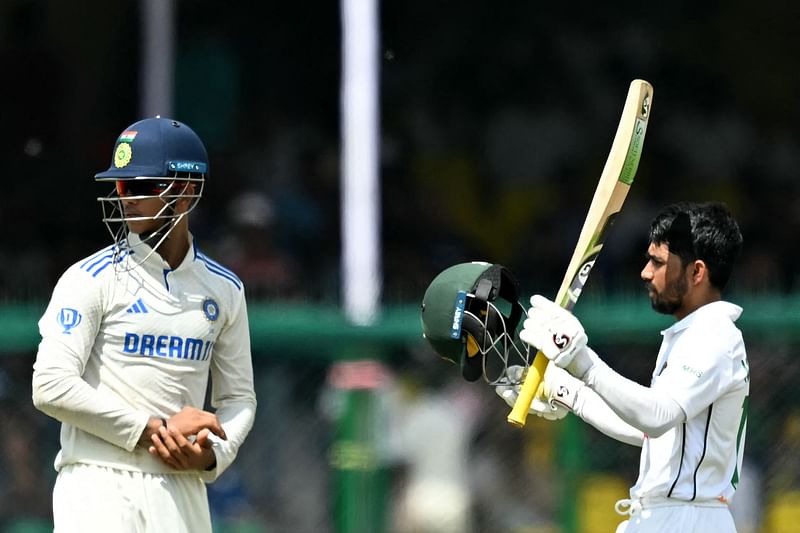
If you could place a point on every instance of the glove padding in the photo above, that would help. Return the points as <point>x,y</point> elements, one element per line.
<point>556,333</point>
<point>555,396</point>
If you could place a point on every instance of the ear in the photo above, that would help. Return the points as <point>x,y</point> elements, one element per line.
<point>698,272</point>
<point>189,188</point>
<point>183,204</point>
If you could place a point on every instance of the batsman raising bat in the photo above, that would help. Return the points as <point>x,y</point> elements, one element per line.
<point>690,422</point>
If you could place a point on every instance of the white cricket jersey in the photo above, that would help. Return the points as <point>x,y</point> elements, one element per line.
<point>702,365</point>
<point>119,347</point>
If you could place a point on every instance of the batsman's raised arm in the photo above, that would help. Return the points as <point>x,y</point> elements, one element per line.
<point>692,418</point>
<point>612,189</point>
<point>561,337</point>
<point>560,393</point>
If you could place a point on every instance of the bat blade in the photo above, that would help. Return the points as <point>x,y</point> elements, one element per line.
<point>612,189</point>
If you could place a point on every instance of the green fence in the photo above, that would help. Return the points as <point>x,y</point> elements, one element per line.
<point>286,324</point>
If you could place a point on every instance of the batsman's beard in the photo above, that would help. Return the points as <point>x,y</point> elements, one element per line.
<point>669,300</point>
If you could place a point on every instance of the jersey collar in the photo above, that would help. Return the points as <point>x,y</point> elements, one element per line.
<point>142,249</point>
<point>721,307</point>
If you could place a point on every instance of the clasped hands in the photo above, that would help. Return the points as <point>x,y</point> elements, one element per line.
<point>185,442</point>
<point>560,336</point>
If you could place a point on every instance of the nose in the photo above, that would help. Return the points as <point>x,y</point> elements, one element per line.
<point>128,202</point>
<point>647,272</point>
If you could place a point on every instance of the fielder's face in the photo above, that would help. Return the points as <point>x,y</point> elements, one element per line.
<point>145,206</point>
<point>665,279</point>
<point>142,215</point>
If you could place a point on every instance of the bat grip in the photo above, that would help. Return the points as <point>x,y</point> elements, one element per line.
<point>519,413</point>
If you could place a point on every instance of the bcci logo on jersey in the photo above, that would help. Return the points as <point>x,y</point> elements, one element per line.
<point>210,309</point>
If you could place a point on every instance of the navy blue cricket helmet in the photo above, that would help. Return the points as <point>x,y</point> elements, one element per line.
<point>153,158</point>
<point>156,147</point>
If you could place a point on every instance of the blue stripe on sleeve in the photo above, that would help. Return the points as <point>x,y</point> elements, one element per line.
<point>96,255</point>
<point>219,270</point>
<point>99,261</point>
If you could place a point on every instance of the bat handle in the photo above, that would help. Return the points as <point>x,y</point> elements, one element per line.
<point>519,413</point>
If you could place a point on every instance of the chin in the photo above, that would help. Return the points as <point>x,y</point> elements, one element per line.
<point>139,227</point>
<point>664,307</point>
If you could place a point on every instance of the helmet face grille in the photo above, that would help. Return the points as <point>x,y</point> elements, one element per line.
<point>155,158</point>
<point>116,221</point>
<point>470,315</point>
<point>496,336</point>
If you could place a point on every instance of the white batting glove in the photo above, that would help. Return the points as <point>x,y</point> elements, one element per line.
<point>555,396</point>
<point>557,334</point>
<point>560,389</point>
<point>539,405</point>
<point>510,391</point>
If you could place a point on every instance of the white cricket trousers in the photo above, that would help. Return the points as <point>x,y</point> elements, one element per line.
<point>92,498</point>
<point>681,518</point>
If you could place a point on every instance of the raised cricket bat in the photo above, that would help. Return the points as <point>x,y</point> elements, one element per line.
<point>615,181</point>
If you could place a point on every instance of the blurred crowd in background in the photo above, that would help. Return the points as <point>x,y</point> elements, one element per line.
<point>495,127</point>
<point>496,122</point>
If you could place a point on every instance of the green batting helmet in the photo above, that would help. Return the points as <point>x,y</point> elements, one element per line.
<point>470,310</point>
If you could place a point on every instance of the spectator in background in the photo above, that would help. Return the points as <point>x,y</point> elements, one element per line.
<point>24,485</point>
<point>433,421</point>
<point>25,491</point>
<point>250,249</point>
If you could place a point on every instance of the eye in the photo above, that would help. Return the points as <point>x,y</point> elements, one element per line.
<point>141,187</point>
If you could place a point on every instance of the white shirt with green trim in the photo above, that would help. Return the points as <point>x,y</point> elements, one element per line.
<point>702,365</point>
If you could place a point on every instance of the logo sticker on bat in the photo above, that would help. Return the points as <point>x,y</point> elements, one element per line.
<point>579,281</point>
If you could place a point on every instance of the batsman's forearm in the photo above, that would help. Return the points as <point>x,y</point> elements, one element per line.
<point>593,410</point>
<point>648,410</point>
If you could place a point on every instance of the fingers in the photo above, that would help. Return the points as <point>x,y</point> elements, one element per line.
<point>515,373</point>
<point>547,410</point>
<point>541,407</point>
<point>547,312</point>
<point>203,439</point>
<point>160,449</point>
<point>509,395</point>
<point>190,421</point>
<point>540,391</point>
<point>216,429</point>
<point>536,333</point>
<point>540,302</point>
<point>553,330</point>
<point>174,449</point>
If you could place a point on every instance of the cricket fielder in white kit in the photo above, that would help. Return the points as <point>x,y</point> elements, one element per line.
<point>691,421</point>
<point>129,340</point>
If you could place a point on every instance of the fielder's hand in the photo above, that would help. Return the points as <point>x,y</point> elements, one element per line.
<point>555,396</point>
<point>557,334</point>
<point>181,453</point>
<point>191,420</point>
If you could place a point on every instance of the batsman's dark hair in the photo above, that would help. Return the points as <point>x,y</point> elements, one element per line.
<point>705,231</point>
